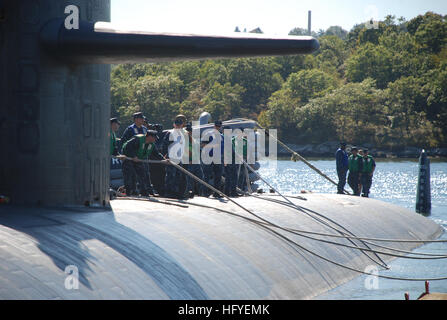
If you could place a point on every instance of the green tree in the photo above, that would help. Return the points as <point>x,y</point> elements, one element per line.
<point>188,73</point>
<point>280,108</point>
<point>212,72</point>
<point>309,84</point>
<point>194,105</point>
<point>353,112</point>
<point>302,32</point>
<point>431,34</point>
<point>299,88</point>
<point>437,101</point>
<point>405,59</point>
<point>260,77</point>
<point>336,31</point>
<point>224,101</point>
<point>158,97</point>
<point>371,61</point>
<point>332,55</point>
<point>385,86</point>
<point>289,64</point>
<point>405,99</point>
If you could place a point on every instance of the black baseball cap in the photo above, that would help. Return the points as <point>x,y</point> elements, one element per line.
<point>114,120</point>
<point>152,133</point>
<point>218,123</point>
<point>137,115</point>
<point>354,149</point>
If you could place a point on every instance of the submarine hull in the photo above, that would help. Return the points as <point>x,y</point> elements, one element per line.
<point>162,249</point>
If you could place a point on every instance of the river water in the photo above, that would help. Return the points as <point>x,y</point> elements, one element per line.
<point>394,182</point>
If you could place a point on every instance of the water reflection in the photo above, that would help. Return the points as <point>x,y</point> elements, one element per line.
<point>394,182</point>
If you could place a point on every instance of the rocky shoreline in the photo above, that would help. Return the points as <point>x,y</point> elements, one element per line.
<point>328,149</point>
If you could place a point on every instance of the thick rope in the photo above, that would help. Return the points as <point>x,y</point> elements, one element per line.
<point>437,256</point>
<point>167,162</point>
<point>300,209</point>
<point>296,155</point>
<point>286,238</point>
<point>293,243</point>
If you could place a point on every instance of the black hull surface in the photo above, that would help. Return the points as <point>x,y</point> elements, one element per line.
<point>188,250</point>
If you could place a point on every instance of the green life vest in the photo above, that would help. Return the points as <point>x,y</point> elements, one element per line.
<point>244,146</point>
<point>144,149</point>
<point>112,142</point>
<point>353,164</point>
<point>367,164</point>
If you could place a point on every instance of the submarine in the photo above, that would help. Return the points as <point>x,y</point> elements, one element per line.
<point>61,237</point>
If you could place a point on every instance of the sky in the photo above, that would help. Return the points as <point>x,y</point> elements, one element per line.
<point>275,17</point>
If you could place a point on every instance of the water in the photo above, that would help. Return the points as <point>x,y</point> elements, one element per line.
<point>394,182</point>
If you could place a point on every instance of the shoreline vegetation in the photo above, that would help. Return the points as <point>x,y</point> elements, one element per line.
<point>327,150</point>
<point>383,88</point>
<point>442,160</point>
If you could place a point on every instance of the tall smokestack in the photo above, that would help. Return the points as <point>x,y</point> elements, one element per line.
<point>309,23</point>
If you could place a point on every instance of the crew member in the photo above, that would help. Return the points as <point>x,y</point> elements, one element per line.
<point>368,168</point>
<point>355,167</point>
<point>114,151</point>
<point>136,128</point>
<point>114,127</point>
<point>174,138</point>
<point>213,171</point>
<point>230,170</point>
<point>341,158</point>
<point>360,175</point>
<point>157,170</point>
<point>195,168</point>
<point>139,148</point>
<point>241,170</point>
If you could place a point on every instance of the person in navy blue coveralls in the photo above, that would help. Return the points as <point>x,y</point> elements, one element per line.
<point>135,128</point>
<point>138,128</point>
<point>341,157</point>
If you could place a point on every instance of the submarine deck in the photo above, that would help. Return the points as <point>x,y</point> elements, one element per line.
<point>191,249</point>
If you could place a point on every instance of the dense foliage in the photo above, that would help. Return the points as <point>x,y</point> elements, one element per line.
<point>385,86</point>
